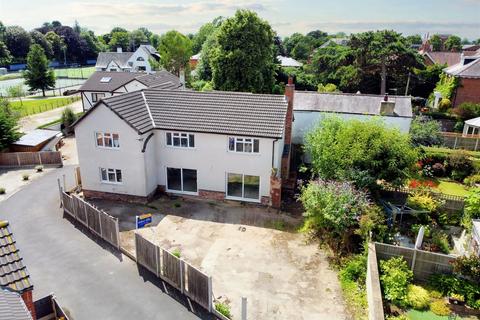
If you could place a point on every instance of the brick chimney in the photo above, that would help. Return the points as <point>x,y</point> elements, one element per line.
<point>289,95</point>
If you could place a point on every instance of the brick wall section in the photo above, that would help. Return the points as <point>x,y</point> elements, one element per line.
<point>213,195</point>
<point>28,299</point>
<point>276,192</point>
<point>289,94</point>
<point>468,91</point>
<point>90,194</point>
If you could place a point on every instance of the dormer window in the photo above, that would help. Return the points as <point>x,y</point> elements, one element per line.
<point>140,59</point>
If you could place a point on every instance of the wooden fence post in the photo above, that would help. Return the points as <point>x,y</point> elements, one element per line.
<point>39,158</point>
<point>18,159</point>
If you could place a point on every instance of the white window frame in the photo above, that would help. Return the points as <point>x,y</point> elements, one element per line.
<point>242,198</point>
<point>181,181</point>
<point>108,171</point>
<point>170,137</point>
<point>103,146</point>
<point>245,141</point>
<point>97,96</point>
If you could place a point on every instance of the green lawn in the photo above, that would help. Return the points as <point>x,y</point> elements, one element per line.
<point>10,76</point>
<point>29,107</point>
<point>452,188</point>
<point>429,315</point>
<point>83,72</point>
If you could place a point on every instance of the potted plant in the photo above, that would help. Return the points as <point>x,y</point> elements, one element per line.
<point>457,299</point>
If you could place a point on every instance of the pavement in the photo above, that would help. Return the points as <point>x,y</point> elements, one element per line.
<point>250,251</point>
<point>12,180</point>
<point>32,122</point>
<point>89,279</point>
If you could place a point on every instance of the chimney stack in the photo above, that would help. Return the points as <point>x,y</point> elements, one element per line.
<point>119,49</point>
<point>182,78</point>
<point>289,95</point>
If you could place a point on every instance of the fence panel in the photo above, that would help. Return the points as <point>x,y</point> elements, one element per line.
<point>171,269</point>
<point>198,286</point>
<point>93,218</point>
<point>21,159</point>
<point>109,228</point>
<point>53,158</point>
<point>68,204</point>
<point>28,158</point>
<point>147,254</point>
<point>8,159</point>
<point>80,213</point>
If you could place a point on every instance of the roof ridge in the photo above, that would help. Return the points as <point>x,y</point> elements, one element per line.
<point>148,109</point>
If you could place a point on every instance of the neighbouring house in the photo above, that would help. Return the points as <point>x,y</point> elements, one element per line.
<point>289,62</point>
<point>128,61</point>
<point>104,84</point>
<point>37,140</point>
<point>12,306</point>
<point>194,60</point>
<point>310,107</point>
<point>13,273</point>
<point>447,58</point>
<point>335,41</point>
<point>217,145</point>
<point>468,73</point>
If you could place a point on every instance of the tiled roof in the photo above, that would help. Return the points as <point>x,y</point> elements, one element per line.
<point>349,103</point>
<point>441,57</point>
<point>120,58</point>
<point>161,79</point>
<point>13,273</point>
<point>469,70</point>
<point>12,306</point>
<point>248,114</point>
<point>288,62</point>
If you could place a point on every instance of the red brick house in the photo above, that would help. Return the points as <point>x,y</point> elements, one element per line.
<point>468,72</point>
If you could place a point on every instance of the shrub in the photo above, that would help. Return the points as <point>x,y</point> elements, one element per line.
<point>177,253</point>
<point>450,218</point>
<point>472,180</point>
<point>467,110</point>
<point>224,309</point>
<point>425,132</point>
<point>68,118</point>
<point>438,169</point>
<point>440,308</point>
<point>25,177</point>
<point>434,294</point>
<point>417,297</point>
<point>395,278</point>
<point>374,223</point>
<point>460,165</point>
<point>440,239</point>
<point>468,266</point>
<point>472,208</point>
<point>426,228</point>
<point>39,168</point>
<point>444,104</point>
<point>2,191</point>
<point>355,269</point>
<point>458,297</point>
<point>423,200</point>
<point>449,284</point>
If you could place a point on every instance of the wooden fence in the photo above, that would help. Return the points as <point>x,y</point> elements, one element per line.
<point>423,263</point>
<point>399,195</point>
<point>97,221</point>
<point>29,159</point>
<point>459,141</point>
<point>175,271</point>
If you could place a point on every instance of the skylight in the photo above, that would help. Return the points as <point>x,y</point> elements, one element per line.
<point>106,79</point>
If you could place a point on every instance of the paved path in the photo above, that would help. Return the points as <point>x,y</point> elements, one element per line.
<point>30,123</point>
<point>90,281</point>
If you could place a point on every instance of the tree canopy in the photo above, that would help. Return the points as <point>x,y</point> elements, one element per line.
<point>175,51</point>
<point>18,42</point>
<point>360,151</point>
<point>8,125</point>
<point>37,75</point>
<point>244,54</point>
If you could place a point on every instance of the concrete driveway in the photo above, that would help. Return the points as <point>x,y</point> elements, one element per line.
<point>89,280</point>
<point>249,251</point>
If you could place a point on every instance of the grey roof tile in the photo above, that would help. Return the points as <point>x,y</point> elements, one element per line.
<point>12,306</point>
<point>236,113</point>
<point>120,58</point>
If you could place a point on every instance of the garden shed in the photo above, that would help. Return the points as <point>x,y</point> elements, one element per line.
<point>472,127</point>
<point>37,140</point>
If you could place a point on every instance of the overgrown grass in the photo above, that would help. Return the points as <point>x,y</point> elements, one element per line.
<point>223,309</point>
<point>29,107</point>
<point>448,151</point>
<point>352,275</point>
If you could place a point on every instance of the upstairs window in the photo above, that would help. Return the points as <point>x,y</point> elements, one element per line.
<point>111,175</point>
<point>245,145</point>
<point>140,59</point>
<point>107,140</point>
<point>180,139</point>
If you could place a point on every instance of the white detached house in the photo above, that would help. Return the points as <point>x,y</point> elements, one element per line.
<point>120,61</point>
<point>220,145</point>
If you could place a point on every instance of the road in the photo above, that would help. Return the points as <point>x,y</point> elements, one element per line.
<point>88,279</point>
<point>32,122</point>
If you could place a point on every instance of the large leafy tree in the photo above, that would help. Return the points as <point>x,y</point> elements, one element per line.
<point>38,75</point>
<point>137,37</point>
<point>244,57</point>
<point>119,39</point>
<point>57,44</point>
<point>453,43</point>
<point>175,51</point>
<point>5,56</point>
<point>77,47</point>
<point>8,125</point>
<point>40,39</point>
<point>360,151</point>
<point>203,33</point>
<point>436,42</point>
<point>18,42</point>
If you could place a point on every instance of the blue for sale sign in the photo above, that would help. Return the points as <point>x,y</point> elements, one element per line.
<point>143,220</point>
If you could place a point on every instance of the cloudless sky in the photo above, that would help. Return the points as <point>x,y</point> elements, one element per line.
<point>460,17</point>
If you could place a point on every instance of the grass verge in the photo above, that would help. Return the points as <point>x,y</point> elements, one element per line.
<point>29,107</point>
